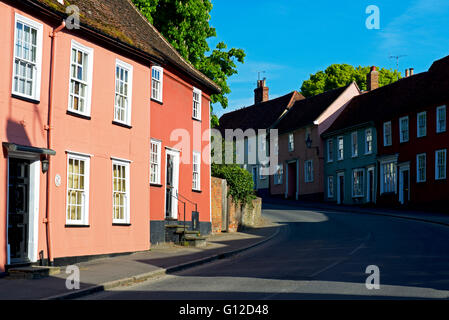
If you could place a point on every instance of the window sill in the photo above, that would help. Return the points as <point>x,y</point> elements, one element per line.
<point>358,197</point>
<point>121,224</point>
<point>157,101</point>
<point>197,191</point>
<point>120,124</point>
<point>199,120</point>
<point>77,226</point>
<point>156,185</point>
<point>79,115</point>
<point>17,96</point>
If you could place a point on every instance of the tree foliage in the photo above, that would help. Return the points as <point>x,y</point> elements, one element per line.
<point>339,75</point>
<point>185,24</point>
<point>240,181</point>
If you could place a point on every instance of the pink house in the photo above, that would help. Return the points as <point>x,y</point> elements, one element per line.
<point>82,109</point>
<point>300,149</point>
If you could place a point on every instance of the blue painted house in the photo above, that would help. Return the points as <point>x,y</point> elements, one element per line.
<point>350,150</point>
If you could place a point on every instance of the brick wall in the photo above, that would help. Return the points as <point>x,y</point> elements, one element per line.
<point>217,195</point>
<point>227,215</point>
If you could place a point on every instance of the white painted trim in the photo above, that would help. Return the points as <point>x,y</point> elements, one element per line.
<point>338,148</point>
<point>85,210</point>
<point>127,165</point>
<point>82,154</point>
<point>417,167</point>
<point>161,91</point>
<point>159,163</point>
<point>129,68</point>
<point>33,214</point>
<point>436,164</point>
<point>90,67</point>
<point>438,129</point>
<point>401,140</point>
<point>198,154</point>
<point>121,159</point>
<point>39,47</point>
<point>196,90</point>
<point>417,124</point>
<point>176,155</point>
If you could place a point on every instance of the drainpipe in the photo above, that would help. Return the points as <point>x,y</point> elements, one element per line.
<point>49,128</point>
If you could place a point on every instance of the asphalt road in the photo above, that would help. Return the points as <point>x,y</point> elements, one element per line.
<point>318,255</point>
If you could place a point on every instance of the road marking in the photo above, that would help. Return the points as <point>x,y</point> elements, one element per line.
<point>362,245</point>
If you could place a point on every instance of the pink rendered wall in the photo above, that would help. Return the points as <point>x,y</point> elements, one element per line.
<point>23,122</point>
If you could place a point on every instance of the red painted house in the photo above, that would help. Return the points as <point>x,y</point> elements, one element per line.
<point>78,110</point>
<point>413,139</point>
<point>410,120</point>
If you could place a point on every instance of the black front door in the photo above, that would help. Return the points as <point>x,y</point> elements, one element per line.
<point>18,209</point>
<point>169,189</point>
<point>342,189</point>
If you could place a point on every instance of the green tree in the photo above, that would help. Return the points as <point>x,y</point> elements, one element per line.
<point>339,75</point>
<point>185,24</point>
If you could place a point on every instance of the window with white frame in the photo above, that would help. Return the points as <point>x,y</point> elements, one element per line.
<point>388,183</point>
<point>357,182</point>
<point>421,167</point>
<point>27,58</point>
<point>196,165</point>
<point>387,134</point>
<point>421,120</point>
<point>196,104</point>
<point>355,145</point>
<point>368,141</point>
<point>155,162</point>
<point>120,191</point>
<point>77,189</point>
<point>340,153</point>
<point>330,186</point>
<point>157,74</point>
<point>279,175</point>
<point>403,129</point>
<point>440,164</point>
<point>81,65</point>
<point>441,119</point>
<point>123,92</point>
<point>308,171</point>
<point>291,142</point>
<point>330,150</point>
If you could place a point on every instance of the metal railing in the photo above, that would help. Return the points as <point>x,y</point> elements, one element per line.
<point>177,197</point>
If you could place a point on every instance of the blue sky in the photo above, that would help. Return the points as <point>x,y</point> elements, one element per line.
<point>291,39</point>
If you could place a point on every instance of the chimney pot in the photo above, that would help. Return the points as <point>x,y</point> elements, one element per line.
<point>407,72</point>
<point>412,71</point>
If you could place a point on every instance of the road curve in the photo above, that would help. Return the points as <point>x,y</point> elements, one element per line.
<point>318,255</point>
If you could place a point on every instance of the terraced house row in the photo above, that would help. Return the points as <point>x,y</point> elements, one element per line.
<point>386,146</point>
<point>88,164</point>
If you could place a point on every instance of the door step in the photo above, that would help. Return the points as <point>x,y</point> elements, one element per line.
<point>190,240</point>
<point>32,272</point>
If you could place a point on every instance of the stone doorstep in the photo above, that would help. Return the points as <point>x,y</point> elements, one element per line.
<point>194,241</point>
<point>33,272</point>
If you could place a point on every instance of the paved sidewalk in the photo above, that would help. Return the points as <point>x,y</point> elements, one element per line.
<point>432,217</point>
<point>100,274</point>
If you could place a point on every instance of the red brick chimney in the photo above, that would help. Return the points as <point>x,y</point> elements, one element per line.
<point>372,79</point>
<point>261,92</point>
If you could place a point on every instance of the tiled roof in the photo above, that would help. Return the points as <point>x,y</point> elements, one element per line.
<point>259,116</point>
<point>406,95</point>
<point>305,112</point>
<point>120,20</point>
